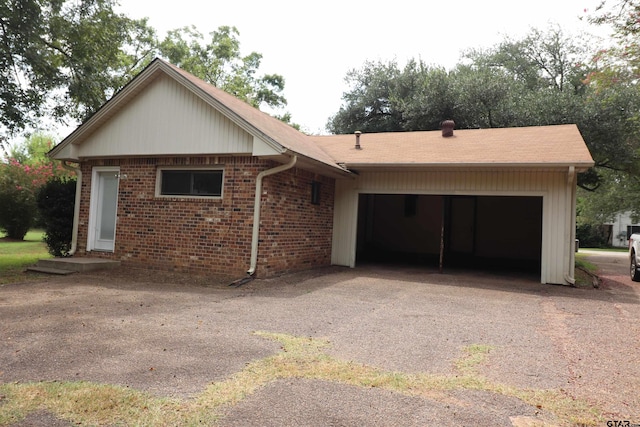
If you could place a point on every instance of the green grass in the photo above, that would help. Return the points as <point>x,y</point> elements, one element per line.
<point>586,272</point>
<point>581,262</point>
<point>606,249</point>
<point>15,256</point>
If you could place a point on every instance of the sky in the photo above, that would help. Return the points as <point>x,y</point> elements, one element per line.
<point>313,44</point>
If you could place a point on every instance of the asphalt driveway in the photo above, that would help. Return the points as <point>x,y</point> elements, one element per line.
<point>173,336</point>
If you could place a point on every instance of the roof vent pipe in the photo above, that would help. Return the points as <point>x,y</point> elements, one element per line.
<point>358,133</point>
<point>447,128</point>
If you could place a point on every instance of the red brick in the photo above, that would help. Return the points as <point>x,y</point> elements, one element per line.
<point>214,235</point>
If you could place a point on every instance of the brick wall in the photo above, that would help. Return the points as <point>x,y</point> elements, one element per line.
<point>214,235</point>
<point>294,233</point>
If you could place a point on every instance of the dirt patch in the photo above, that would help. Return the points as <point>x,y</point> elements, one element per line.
<point>42,419</point>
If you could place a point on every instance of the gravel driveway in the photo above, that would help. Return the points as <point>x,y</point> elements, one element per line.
<point>174,335</point>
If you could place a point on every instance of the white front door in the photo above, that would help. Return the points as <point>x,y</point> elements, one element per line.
<point>104,205</point>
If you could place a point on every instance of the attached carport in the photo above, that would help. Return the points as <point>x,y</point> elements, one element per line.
<point>489,197</point>
<point>490,219</point>
<point>446,231</point>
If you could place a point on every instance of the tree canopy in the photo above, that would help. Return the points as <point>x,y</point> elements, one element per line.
<point>536,80</point>
<point>62,59</point>
<point>220,62</point>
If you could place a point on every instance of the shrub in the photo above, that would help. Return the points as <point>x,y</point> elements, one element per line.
<point>592,236</point>
<point>17,200</point>
<point>17,211</point>
<point>55,203</point>
<point>19,184</point>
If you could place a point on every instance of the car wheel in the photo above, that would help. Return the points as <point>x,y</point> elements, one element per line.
<point>635,273</point>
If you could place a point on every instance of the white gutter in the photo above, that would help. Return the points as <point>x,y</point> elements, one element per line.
<point>570,227</point>
<point>256,210</point>
<point>76,206</point>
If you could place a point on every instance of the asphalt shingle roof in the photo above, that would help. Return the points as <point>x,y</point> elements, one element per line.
<point>535,145</point>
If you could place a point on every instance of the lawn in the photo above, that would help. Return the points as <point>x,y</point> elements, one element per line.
<point>15,256</point>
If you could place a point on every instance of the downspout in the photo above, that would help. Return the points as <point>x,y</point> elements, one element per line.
<point>571,226</point>
<point>76,206</point>
<point>256,210</point>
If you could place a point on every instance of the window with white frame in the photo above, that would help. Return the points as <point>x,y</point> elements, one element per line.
<point>190,182</point>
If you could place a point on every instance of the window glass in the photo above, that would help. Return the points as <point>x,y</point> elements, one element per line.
<point>631,229</point>
<point>207,183</point>
<point>191,183</point>
<point>315,193</point>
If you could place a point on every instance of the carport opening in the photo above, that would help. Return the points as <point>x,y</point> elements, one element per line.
<point>496,233</point>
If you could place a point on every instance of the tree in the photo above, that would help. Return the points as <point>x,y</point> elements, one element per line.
<point>618,192</point>
<point>63,59</point>
<point>17,201</point>
<point>542,59</point>
<point>369,106</point>
<point>615,84</point>
<point>33,150</point>
<point>623,56</point>
<point>486,97</point>
<point>424,96</point>
<point>220,63</point>
<point>21,176</point>
<point>18,187</point>
<point>516,83</point>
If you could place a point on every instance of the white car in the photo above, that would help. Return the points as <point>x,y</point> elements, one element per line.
<point>634,256</point>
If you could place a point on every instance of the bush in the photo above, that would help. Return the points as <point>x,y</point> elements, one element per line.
<point>17,211</point>
<point>55,203</point>
<point>17,200</point>
<point>592,236</point>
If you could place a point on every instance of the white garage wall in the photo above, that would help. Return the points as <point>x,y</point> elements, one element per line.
<point>557,217</point>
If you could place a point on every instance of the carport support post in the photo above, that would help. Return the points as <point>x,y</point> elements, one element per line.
<point>440,268</point>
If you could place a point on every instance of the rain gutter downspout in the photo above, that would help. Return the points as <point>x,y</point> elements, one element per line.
<point>76,206</point>
<point>570,224</point>
<point>256,210</point>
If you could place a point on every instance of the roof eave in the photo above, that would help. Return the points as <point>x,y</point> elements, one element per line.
<point>335,171</point>
<point>579,166</point>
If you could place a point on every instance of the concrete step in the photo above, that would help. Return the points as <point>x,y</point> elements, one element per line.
<point>36,269</point>
<point>77,264</point>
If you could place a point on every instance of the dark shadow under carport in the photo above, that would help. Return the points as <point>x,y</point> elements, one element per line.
<point>486,233</point>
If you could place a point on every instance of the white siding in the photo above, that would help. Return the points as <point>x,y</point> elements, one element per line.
<point>619,225</point>
<point>557,220</point>
<point>345,223</point>
<point>166,119</point>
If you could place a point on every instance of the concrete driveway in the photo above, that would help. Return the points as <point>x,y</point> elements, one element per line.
<point>173,336</point>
